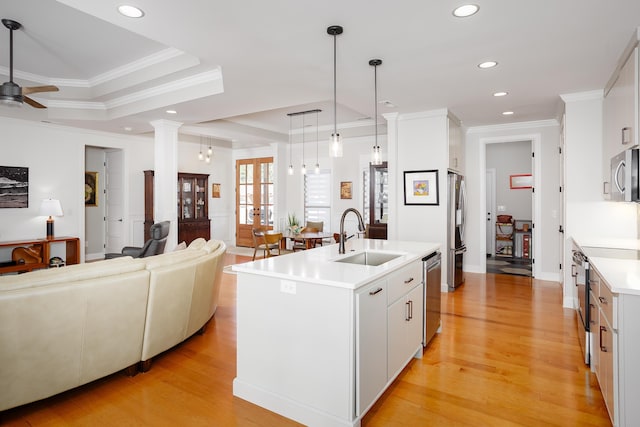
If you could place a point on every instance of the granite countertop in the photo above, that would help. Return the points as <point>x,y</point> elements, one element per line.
<point>318,265</point>
<point>622,275</point>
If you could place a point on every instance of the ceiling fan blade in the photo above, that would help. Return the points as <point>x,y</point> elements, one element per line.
<point>34,104</point>
<point>36,89</point>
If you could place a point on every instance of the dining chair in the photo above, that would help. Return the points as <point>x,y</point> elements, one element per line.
<point>272,242</point>
<point>259,242</point>
<point>319,226</point>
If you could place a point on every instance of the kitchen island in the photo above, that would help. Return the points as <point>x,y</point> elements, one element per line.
<point>321,335</point>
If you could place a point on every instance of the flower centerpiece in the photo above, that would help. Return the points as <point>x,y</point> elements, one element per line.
<point>294,224</point>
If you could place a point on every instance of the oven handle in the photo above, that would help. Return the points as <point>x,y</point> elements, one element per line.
<point>616,175</point>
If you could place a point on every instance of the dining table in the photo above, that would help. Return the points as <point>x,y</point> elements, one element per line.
<point>307,236</point>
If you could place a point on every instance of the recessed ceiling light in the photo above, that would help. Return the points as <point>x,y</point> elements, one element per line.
<point>501,94</point>
<point>171,112</point>
<point>507,113</point>
<point>128,128</point>
<point>465,10</point>
<point>130,11</point>
<point>387,103</point>
<point>487,64</point>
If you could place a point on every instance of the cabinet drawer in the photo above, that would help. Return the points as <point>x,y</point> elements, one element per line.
<point>605,300</point>
<point>403,280</point>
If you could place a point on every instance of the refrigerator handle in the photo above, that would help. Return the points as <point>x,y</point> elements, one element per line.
<point>463,208</point>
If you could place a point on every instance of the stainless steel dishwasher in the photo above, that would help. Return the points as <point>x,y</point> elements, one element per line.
<point>432,296</point>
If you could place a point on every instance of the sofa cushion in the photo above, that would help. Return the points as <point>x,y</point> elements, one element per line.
<point>197,243</point>
<point>171,258</point>
<point>71,273</point>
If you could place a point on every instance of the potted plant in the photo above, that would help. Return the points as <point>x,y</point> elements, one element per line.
<point>294,223</point>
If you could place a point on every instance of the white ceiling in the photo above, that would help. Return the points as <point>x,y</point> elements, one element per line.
<point>234,69</point>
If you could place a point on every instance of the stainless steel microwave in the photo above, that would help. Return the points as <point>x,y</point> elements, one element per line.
<point>624,176</point>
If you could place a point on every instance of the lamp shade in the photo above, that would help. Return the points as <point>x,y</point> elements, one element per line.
<point>51,207</point>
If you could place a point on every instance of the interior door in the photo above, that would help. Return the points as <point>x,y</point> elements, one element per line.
<point>254,197</point>
<point>114,200</point>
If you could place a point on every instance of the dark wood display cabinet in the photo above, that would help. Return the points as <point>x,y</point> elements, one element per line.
<point>192,206</point>
<point>378,202</point>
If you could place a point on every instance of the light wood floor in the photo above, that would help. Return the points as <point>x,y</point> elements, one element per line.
<point>508,355</point>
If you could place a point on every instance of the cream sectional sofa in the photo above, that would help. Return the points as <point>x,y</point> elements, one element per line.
<point>61,328</point>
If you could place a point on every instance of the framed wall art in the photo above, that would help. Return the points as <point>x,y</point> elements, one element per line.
<point>520,181</point>
<point>215,191</point>
<point>14,187</point>
<point>421,187</point>
<point>345,190</point>
<point>91,188</point>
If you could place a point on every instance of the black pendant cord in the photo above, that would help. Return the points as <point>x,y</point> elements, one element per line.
<point>335,115</point>
<point>375,88</point>
<point>11,55</point>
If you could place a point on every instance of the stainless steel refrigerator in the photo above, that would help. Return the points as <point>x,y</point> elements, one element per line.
<point>456,212</point>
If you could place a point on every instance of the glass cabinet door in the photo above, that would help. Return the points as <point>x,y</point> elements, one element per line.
<point>200,198</point>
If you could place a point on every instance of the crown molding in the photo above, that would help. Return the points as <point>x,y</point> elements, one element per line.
<point>583,96</point>
<point>513,126</point>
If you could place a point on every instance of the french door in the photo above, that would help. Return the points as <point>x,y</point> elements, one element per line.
<point>254,197</point>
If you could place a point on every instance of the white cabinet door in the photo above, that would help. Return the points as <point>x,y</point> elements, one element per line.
<point>371,345</point>
<point>620,114</point>
<point>405,318</point>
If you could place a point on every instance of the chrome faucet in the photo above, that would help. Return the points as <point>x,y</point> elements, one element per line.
<point>360,227</point>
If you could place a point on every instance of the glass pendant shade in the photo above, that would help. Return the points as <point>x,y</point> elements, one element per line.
<point>335,145</point>
<point>210,151</point>
<point>290,169</point>
<point>317,168</point>
<point>200,156</point>
<point>303,169</point>
<point>376,157</point>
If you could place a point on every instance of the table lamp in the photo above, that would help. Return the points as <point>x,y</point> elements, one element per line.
<point>50,208</point>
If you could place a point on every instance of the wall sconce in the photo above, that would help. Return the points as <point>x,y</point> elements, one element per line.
<point>50,208</point>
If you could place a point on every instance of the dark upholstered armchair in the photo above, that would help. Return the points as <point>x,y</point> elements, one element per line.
<point>153,246</point>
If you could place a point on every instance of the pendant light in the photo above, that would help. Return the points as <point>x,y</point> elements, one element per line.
<point>376,156</point>
<point>209,151</point>
<point>335,143</point>
<point>303,169</point>
<point>200,155</point>
<point>290,157</point>
<point>317,168</point>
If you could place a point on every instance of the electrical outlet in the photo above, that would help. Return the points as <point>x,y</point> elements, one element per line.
<point>288,287</point>
<point>502,208</point>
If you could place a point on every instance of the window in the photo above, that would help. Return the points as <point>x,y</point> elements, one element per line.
<point>317,198</point>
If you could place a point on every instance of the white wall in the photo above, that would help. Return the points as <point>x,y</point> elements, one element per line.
<point>419,142</point>
<point>55,158</point>
<point>511,158</point>
<point>546,180</point>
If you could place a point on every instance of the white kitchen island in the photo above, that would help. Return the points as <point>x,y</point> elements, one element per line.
<point>318,340</point>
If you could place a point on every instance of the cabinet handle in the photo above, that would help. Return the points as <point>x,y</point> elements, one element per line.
<point>574,272</point>
<point>410,309</point>
<point>625,134</point>
<point>406,311</point>
<point>602,300</point>
<point>408,280</point>
<point>590,307</point>
<point>377,291</point>
<point>602,348</point>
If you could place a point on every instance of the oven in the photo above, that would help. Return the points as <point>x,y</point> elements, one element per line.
<point>580,274</point>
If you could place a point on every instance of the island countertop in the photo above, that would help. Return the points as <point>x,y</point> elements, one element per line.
<point>318,265</point>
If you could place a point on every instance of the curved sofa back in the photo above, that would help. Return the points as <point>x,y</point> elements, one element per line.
<point>183,295</point>
<point>61,328</point>
<point>58,335</point>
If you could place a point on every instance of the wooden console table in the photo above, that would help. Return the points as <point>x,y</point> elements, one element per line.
<point>43,247</point>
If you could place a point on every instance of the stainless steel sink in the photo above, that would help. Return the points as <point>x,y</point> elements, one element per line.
<point>369,258</point>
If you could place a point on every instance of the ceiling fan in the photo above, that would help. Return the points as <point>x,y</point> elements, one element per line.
<point>10,93</point>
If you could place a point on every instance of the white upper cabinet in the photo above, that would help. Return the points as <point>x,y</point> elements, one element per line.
<point>620,110</point>
<point>456,147</point>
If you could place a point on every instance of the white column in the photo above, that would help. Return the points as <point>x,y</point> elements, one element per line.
<point>165,197</point>
<point>392,174</point>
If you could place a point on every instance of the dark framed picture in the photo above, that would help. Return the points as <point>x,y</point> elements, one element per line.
<point>421,187</point>
<point>520,181</point>
<point>14,187</point>
<point>91,188</point>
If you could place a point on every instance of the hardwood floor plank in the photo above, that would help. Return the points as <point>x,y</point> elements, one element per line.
<point>508,355</point>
